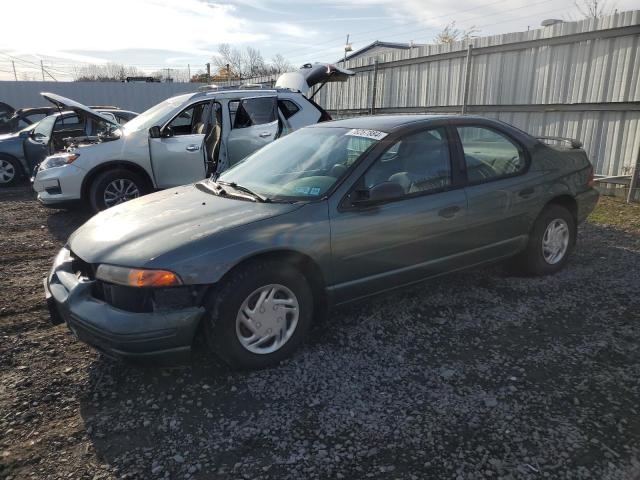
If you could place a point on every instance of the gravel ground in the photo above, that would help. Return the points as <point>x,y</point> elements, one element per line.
<point>479,375</point>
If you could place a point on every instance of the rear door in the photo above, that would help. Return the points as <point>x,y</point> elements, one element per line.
<point>254,124</point>
<point>500,192</point>
<point>178,156</point>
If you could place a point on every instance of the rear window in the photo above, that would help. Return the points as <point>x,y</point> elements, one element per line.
<point>288,108</point>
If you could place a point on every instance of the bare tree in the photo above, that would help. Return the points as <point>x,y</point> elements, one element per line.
<point>246,63</point>
<point>254,62</point>
<point>594,8</point>
<point>450,33</point>
<point>279,64</point>
<point>230,58</point>
<point>111,72</point>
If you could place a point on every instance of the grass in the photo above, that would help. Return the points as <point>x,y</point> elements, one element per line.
<point>616,212</point>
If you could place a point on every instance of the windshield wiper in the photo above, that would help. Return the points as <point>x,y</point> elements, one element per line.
<point>249,192</point>
<point>212,187</point>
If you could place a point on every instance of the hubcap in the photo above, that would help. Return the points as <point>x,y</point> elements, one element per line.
<point>267,319</point>
<point>555,241</point>
<point>119,191</point>
<point>7,171</point>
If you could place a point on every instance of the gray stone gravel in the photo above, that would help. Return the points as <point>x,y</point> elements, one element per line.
<point>476,375</point>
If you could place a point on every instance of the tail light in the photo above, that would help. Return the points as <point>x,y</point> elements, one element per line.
<point>591,181</point>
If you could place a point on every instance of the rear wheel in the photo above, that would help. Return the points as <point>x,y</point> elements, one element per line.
<point>113,187</point>
<point>10,171</point>
<point>260,315</point>
<point>550,243</point>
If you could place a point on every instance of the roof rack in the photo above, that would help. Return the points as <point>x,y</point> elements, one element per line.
<point>571,141</point>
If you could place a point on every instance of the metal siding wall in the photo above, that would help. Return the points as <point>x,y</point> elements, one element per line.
<point>598,70</point>
<point>129,96</point>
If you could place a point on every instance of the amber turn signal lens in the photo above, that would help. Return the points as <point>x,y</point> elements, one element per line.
<point>137,277</point>
<point>153,278</point>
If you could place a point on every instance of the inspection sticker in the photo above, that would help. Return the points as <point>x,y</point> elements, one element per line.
<point>366,133</point>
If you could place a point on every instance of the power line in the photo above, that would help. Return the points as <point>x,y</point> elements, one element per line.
<point>316,52</point>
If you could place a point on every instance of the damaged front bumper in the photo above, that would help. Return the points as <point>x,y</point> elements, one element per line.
<point>164,336</point>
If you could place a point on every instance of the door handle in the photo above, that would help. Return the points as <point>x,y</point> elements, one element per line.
<point>265,134</point>
<point>449,212</point>
<point>526,192</point>
<point>193,148</point>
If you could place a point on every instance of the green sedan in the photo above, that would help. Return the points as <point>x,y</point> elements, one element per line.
<point>329,214</point>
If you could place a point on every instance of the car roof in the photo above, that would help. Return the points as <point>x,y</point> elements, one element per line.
<point>388,123</point>
<point>245,92</point>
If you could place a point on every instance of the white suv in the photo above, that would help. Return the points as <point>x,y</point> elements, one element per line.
<point>181,140</point>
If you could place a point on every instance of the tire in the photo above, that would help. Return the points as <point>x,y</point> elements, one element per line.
<point>108,182</point>
<point>538,260</point>
<point>223,330</point>
<point>10,171</point>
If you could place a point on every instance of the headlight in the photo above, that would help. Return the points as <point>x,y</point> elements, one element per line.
<point>58,160</point>
<point>137,277</point>
<point>64,255</point>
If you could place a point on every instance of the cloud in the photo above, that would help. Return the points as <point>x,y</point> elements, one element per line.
<point>189,26</point>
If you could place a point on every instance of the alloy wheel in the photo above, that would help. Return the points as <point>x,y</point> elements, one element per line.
<point>119,191</point>
<point>267,319</point>
<point>555,241</point>
<point>7,171</point>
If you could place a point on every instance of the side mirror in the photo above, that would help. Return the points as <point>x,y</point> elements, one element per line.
<point>154,132</point>
<point>26,134</point>
<point>378,193</point>
<point>167,132</point>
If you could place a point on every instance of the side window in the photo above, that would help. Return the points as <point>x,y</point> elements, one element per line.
<point>288,108</point>
<point>419,162</point>
<point>68,122</point>
<point>253,111</point>
<point>489,154</point>
<point>191,121</point>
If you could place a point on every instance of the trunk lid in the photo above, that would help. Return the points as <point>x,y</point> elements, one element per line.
<point>313,74</point>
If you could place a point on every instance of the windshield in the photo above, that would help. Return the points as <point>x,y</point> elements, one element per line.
<point>302,165</point>
<point>153,116</point>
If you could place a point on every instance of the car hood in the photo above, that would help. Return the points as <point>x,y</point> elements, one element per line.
<point>135,233</point>
<point>64,103</point>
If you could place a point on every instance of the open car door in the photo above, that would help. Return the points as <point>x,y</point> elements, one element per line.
<point>6,114</point>
<point>310,75</point>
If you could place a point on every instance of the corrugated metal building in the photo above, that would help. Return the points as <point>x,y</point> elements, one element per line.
<point>575,79</point>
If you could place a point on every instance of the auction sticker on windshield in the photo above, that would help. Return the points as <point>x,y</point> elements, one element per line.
<point>366,133</point>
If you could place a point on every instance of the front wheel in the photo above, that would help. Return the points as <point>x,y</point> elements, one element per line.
<point>10,171</point>
<point>550,243</point>
<point>113,187</point>
<point>260,315</point>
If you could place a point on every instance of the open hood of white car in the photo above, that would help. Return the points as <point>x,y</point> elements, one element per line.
<point>67,104</point>
<point>313,74</point>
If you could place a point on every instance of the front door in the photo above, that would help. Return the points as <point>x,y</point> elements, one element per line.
<point>178,157</point>
<point>410,237</point>
<point>38,144</point>
<point>254,124</point>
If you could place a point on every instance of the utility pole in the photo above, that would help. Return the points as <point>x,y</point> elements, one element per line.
<point>188,72</point>
<point>42,68</point>
<point>208,72</point>
<point>15,75</point>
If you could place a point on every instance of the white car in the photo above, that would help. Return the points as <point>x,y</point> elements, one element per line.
<point>181,140</point>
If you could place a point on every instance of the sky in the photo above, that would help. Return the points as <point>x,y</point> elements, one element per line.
<point>160,34</point>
